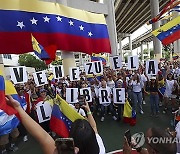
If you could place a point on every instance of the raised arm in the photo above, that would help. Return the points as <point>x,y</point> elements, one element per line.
<point>46,141</point>
<point>90,118</point>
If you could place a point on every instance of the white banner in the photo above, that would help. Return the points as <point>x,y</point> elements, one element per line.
<point>44,111</point>
<point>119,95</point>
<point>94,68</point>
<point>71,95</point>
<point>18,74</point>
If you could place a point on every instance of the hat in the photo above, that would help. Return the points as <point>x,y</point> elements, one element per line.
<point>153,78</point>
<point>119,81</point>
<point>42,90</point>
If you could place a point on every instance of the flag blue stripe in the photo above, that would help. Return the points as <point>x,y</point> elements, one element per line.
<point>9,18</point>
<point>9,126</point>
<point>2,85</point>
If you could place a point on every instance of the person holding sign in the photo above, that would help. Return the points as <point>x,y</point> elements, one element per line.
<point>105,94</point>
<point>42,98</point>
<point>154,97</point>
<point>137,92</point>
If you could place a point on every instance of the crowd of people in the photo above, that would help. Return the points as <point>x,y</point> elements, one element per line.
<point>162,89</point>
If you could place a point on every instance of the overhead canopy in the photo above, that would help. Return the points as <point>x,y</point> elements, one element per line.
<point>132,14</point>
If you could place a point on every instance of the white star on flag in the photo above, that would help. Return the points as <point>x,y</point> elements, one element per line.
<point>81,27</point>
<point>20,24</point>
<point>59,18</point>
<point>71,23</point>
<point>34,21</point>
<point>46,19</point>
<point>90,34</point>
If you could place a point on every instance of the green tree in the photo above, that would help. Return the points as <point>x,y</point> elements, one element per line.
<point>57,62</point>
<point>145,51</point>
<point>30,60</point>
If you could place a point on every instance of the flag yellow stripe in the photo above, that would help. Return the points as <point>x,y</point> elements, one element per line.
<point>68,111</point>
<point>52,8</point>
<point>9,88</point>
<point>167,26</point>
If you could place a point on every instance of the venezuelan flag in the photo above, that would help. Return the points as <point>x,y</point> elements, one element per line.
<point>169,32</point>
<point>62,117</point>
<point>8,119</point>
<point>129,114</point>
<point>175,56</point>
<point>51,24</point>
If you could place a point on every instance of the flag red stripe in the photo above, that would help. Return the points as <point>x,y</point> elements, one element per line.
<point>20,42</point>
<point>59,127</point>
<point>175,36</point>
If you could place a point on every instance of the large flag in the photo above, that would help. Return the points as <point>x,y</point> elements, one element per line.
<point>169,32</point>
<point>51,24</point>
<point>62,117</point>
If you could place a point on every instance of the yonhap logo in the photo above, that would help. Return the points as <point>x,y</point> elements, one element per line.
<point>139,140</point>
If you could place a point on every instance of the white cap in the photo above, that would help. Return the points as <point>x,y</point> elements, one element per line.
<point>153,78</point>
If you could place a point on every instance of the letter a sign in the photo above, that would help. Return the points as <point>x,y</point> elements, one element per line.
<point>151,67</point>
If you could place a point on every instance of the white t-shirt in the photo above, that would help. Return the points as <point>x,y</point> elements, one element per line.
<point>136,86</point>
<point>101,144</point>
<point>143,79</point>
<point>169,87</point>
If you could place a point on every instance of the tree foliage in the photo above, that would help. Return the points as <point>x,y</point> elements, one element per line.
<point>30,60</point>
<point>57,62</point>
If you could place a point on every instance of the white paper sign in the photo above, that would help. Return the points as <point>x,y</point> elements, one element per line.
<point>18,74</point>
<point>74,73</point>
<point>40,78</point>
<point>133,63</point>
<point>116,62</point>
<point>104,95</point>
<point>86,92</point>
<point>71,95</point>
<point>58,71</point>
<point>89,68</point>
<point>44,111</point>
<point>94,68</point>
<point>119,95</point>
<point>98,67</point>
<point>151,67</point>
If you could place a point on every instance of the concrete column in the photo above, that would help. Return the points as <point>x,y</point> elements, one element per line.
<point>148,50</point>
<point>111,22</point>
<point>154,5</point>
<point>142,52</point>
<point>176,43</point>
<point>120,47</point>
<point>130,44</point>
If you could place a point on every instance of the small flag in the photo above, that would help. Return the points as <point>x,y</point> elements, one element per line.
<point>62,117</point>
<point>169,32</point>
<point>175,56</point>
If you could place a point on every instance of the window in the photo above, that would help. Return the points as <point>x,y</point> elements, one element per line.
<point>76,56</point>
<point>7,56</point>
